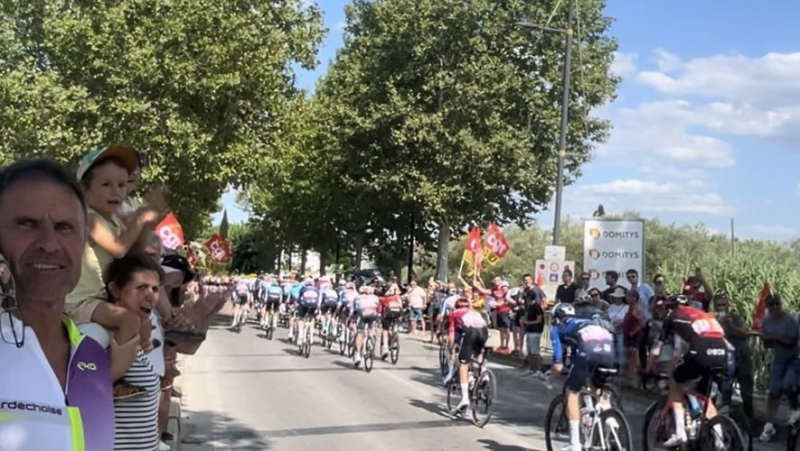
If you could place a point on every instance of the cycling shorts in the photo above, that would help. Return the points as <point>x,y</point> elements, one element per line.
<point>241,299</point>
<point>707,358</point>
<point>389,316</point>
<point>366,319</point>
<point>304,310</point>
<point>272,304</point>
<point>473,341</point>
<point>585,364</point>
<point>328,307</point>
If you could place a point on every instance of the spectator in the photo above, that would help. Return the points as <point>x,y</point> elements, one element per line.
<point>736,333</point>
<point>698,289</point>
<point>660,292</point>
<point>597,300</point>
<point>104,177</point>
<point>779,332</point>
<point>566,291</point>
<point>42,224</point>
<point>503,309</point>
<point>633,328</point>
<point>416,302</point>
<point>616,314</point>
<point>533,322</point>
<point>583,285</point>
<point>645,293</point>
<point>612,280</point>
<point>133,284</point>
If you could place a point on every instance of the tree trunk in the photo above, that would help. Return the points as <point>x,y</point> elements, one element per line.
<point>359,252</point>
<point>303,261</point>
<point>291,251</point>
<point>323,262</point>
<point>279,263</point>
<point>442,251</point>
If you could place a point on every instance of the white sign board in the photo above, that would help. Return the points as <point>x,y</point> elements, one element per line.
<point>548,275</point>
<point>612,245</point>
<point>557,253</point>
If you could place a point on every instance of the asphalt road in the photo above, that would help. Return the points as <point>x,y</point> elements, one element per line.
<point>244,392</point>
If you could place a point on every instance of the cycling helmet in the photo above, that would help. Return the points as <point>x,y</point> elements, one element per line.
<point>308,282</point>
<point>675,300</point>
<point>563,310</point>
<point>583,299</point>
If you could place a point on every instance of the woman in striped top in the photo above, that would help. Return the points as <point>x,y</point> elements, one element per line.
<point>133,284</point>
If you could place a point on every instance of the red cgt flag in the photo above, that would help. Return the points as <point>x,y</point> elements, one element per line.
<point>219,247</point>
<point>170,232</point>
<point>761,307</point>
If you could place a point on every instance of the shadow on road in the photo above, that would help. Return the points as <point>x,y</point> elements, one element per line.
<point>218,431</point>
<point>361,428</point>
<point>495,446</point>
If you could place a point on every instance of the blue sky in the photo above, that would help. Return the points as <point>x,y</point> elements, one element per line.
<point>706,119</point>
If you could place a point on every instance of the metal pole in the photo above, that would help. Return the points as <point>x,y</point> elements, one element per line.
<point>733,240</point>
<point>411,244</point>
<point>562,142</point>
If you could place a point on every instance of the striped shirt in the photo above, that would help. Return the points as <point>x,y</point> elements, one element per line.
<point>137,418</point>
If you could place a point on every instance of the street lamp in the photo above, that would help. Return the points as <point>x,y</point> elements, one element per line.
<point>562,141</point>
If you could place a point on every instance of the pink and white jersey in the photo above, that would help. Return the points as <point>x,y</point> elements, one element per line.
<point>367,303</point>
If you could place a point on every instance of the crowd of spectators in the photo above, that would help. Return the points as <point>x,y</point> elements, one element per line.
<point>94,310</point>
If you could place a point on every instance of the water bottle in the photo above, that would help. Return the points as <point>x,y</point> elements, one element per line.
<point>586,417</point>
<point>471,381</point>
<point>694,407</point>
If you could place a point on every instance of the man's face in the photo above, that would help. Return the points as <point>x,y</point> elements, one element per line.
<point>585,280</point>
<point>633,278</point>
<point>610,280</point>
<point>567,278</point>
<point>497,281</point>
<point>528,281</point>
<point>43,236</point>
<point>413,284</point>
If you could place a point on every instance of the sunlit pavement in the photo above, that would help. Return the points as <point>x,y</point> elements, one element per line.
<point>244,392</point>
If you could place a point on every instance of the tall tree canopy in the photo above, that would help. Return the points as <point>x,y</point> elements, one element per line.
<point>448,108</point>
<point>200,87</point>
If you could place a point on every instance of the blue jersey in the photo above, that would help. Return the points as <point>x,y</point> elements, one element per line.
<point>309,296</point>
<point>274,293</point>
<point>584,336</point>
<point>294,293</point>
<point>329,296</point>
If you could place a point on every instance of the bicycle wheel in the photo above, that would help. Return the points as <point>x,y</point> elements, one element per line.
<point>331,337</point>
<point>342,337</point>
<point>721,432</point>
<point>443,367</point>
<point>369,354</point>
<point>736,413</point>
<point>556,427</point>
<point>453,394</point>
<point>394,348</point>
<point>656,430</point>
<point>616,431</point>
<point>483,395</point>
<point>307,343</point>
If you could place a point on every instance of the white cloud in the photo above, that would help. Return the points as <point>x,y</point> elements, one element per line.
<point>647,196</point>
<point>666,61</point>
<point>340,26</point>
<point>624,64</point>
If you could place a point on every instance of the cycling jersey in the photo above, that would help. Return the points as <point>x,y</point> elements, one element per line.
<point>329,296</point>
<point>585,336</point>
<point>274,293</point>
<point>390,303</point>
<point>347,297</point>
<point>465,318</point>
<point>691,325</point>
<point>309,296</point>
<point>35,413</point>
<point>367,304</point>
<point>294,292</point>
<point>242,289</point>
<point>449,303</point>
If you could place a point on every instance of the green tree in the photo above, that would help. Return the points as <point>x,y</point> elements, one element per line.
<point>199,87</point>
<point>223,224</point>
<point>447,107</point>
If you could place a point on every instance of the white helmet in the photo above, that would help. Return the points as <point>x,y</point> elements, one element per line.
<point>563,310</point>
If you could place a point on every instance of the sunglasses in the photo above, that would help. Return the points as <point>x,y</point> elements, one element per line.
<point>631,276</point>
<point>584,278</point>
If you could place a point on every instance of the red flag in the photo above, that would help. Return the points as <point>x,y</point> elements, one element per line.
<point>761,307</point>
<point>473,252</point>
<point>496,241</point>
<point>219,247</point>
<point>170,232</point>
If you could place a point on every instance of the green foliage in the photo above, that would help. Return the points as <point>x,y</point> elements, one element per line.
<point>223,224</point>
<point>200,87</point>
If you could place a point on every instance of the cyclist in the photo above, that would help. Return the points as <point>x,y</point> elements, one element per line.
<point>390,309</point>
<point>241,297</point>
<point>459,304</point>
<point>329,301</point>
<point>699,331</point>
<point>273,296</point>
<point>471,323</point>
<point>308,303</point>
<point>294,298</point>
<point>592,343</point>
<point>365,309</point>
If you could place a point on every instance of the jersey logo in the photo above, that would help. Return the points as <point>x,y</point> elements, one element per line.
<point>594,333</point>
<point>705,327</point>
<point>83,366</point>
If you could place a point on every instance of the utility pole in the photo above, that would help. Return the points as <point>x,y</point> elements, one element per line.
<point>562,141</point>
